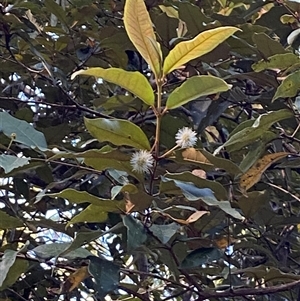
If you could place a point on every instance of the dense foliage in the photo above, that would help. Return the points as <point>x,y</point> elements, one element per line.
<point>105,192</point>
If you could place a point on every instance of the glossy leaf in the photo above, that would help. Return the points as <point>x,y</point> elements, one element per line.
<point>289,87</point>
<point>118,132</point>
<point>200,45</point>
<point>139,28</point>
<point>253,175</point>
<point>164,232</point>
<point>195,87</point>
<point>22,132</point>
<point>134,82</point>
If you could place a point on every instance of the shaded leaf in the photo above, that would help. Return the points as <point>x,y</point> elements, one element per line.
<point>105,273</point>
<point>136,233</point>
<point>164,232</point>
<point>139,28</point>
<point>9,222</point>
<point>118,132</point>
<point>200,45</point>
<point>134,82</point>
<point>48,251</point>
<point>199,257</point>
<point>195,87</point>
<point>22,131</point>
<point>56,10</point>
<point>253,175</point>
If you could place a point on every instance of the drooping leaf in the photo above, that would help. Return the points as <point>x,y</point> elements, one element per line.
<point>106,275</point>
<point>253,175</point>
<point>199,257</point>
<point>7,261</point>
<point>9,222</point>
<point>289,87</point>
<point>22,132</point>
<point>200,45</point>
<point>139,28</point>
<point>8,162</point>
<point>134,82</point>
<point>56,10</point>
<point>48,251</point>
<point>118,132</point>
<point>277,61</point>
<point>195,87</point>
<point>136,233</point>
<point>254,129</point>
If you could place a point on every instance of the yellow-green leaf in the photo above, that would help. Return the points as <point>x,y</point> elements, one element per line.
<point>200,45</point>
<point>194,87</point>
<point>118,132</point>
<point>134,82</point>
<point>139,28</point>
<point>289,87</point>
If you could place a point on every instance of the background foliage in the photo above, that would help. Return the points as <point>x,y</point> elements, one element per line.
<point>216,222</point>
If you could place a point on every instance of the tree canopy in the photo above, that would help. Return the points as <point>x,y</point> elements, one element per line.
<point>149,150</point>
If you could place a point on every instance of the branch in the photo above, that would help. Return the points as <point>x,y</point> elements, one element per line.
<point>249,291</point>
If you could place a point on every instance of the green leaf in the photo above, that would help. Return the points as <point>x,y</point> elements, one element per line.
<point>134,82</point>
<point>136,233</point>
<point>106,275</point>
<point>139,28</point>
<point>193,193</point>
<point>78,197</point>
<point>22,131</point>
<point>219,191</point>
<point>9,222</point>
<point>8,162</point>
<point>195,87</point>
<point>94,214</point>
<point>277,61</point>
<point>259,126</point>
<point>164,232</point>
<point>6,263</point>
<point>200,45</point>
<point>118,132</point>
<point>199,257</point>
<point>289,87</point>
<point>19,267</point>
<point>57,10</point>
<point>48,251</point>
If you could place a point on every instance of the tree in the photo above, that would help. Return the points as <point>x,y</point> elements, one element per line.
<point>149,150</point>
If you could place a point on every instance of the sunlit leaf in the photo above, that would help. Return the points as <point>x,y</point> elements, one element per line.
<point>289,86</point>
<point>195,87</point>
<point>139,28</point>
<point>8,162</point>
<point>75,279</point>
<point>134,82</point>
<point>118,132</point>
<point>6,263</point>
<point>200,45</point>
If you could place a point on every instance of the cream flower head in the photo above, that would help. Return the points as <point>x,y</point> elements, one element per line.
<point>185,137</point>
<point>142,161</point>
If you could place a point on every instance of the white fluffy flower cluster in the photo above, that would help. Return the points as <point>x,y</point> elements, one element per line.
<point>185,137</point>
<point>142,161</point>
